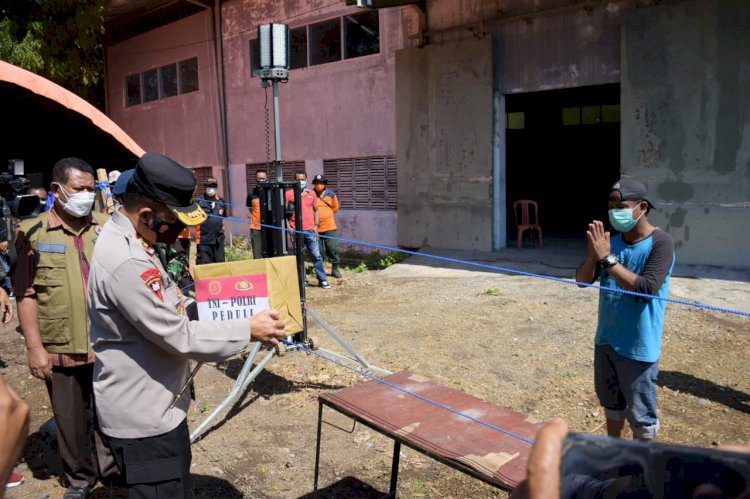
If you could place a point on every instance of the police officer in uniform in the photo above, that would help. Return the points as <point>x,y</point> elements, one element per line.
<point>144,334</point>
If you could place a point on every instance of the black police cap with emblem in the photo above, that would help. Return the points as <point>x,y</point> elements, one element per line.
<point>166,181</point>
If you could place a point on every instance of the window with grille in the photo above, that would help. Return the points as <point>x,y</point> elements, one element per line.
<point>201,175</point>
<point>364,183</point>
<point>287,170</point>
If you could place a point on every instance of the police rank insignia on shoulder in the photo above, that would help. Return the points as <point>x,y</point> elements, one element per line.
<point>146,246</point>
<point>152,278</point>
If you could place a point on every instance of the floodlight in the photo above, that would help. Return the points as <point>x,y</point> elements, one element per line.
<point>274,40</point>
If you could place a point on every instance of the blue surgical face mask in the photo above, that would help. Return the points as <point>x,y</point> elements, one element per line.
<point>303,183</point>
<point>622,219</point>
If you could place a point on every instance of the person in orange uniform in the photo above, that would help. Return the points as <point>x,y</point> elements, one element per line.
<point>328,205</point>
<point>253,203</point>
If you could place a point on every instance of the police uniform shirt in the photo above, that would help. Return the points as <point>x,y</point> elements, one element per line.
<point>143,338</point>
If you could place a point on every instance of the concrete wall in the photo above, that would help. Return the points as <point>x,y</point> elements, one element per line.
<point>444,130</point>
<point>686,123</point>
<point>533,48</point>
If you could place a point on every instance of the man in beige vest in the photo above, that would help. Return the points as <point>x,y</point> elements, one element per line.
<point>50,280</point>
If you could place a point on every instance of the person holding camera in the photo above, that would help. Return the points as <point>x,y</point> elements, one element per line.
<point>639,258</point>
<point>50,280</point>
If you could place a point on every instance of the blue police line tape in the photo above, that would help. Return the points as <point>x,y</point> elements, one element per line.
<point>102,185</point>
<point>404,390</point>
<point>507,270</point>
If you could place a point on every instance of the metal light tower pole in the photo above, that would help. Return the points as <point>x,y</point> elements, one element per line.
<point>274,42</point>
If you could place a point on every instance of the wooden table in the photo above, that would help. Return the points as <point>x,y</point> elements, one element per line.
<point>483,452</point>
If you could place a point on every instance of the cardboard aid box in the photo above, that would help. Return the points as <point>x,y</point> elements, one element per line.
<point>239,290</point>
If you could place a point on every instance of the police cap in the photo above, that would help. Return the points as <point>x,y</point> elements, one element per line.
<point>166,181</point>
<point>122,182</point>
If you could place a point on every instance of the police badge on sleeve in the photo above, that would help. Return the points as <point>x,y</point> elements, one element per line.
<point>152,278</point>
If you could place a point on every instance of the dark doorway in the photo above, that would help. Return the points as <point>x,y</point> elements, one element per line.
<point>563,151</point>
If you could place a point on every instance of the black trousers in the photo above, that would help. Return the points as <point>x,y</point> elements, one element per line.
<point>83,450</point>
<point>210,253</point>
<point>156,467</point>
<point>256,239</point>
<point>329,248</point>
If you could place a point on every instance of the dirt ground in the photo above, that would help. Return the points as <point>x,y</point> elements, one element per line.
<point>517,341</point>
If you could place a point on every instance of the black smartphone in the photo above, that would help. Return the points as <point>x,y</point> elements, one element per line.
<point>595,466</point>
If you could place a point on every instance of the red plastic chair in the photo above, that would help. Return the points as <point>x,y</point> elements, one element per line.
<point>529,221</point>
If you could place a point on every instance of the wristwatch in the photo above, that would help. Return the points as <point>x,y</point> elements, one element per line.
<point>609,261</point>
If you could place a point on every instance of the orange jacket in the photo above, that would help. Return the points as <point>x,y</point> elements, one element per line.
<point>255,213</point>
<point>328,205</point>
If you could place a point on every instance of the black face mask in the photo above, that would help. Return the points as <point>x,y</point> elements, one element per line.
<point>170,235</point>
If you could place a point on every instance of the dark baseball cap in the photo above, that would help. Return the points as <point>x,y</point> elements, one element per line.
<point>631,189</point>
<point>320,179</point>
<point>122,182</point>
<point>212,182</point>
<point>166,181</point>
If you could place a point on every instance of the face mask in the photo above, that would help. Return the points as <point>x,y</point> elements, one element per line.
<point>320,187</point>
<point>171,233</point>
<point>79,204</point>
<point>303,183</point>
<point>211,191</point>
<point>622,219</point>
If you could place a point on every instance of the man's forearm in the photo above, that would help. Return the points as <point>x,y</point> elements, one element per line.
<point>28,318</point>
<point>625,278</point>
<point>587,271</point>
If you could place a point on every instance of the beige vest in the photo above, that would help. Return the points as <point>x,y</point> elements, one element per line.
<point>59,284</point>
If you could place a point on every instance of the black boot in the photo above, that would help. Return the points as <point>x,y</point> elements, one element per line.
<point>335,271</point>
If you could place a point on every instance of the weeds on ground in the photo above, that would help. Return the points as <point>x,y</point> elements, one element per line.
<point>372,261</point>
<point>239,249</point>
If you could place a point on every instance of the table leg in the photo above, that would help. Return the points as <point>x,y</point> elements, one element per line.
<point>317,448</point>
<point>394,466</point>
